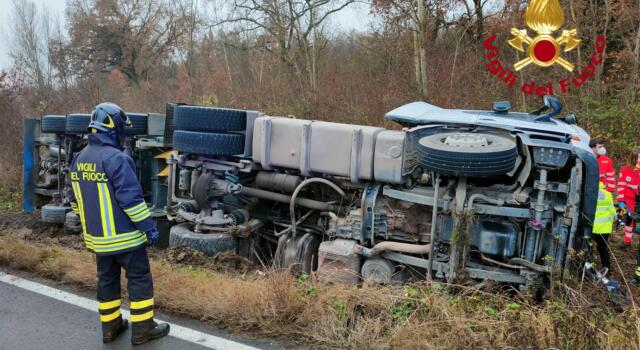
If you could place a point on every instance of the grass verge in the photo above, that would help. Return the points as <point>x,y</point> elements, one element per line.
<point>302,312</point>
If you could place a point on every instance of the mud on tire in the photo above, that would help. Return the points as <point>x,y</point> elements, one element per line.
<point>208,243</point>
<point>53,214</point>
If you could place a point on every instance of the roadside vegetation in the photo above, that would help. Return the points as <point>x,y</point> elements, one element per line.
<point>290,57</point>
<point>185,51</point>
<point>301,312</point>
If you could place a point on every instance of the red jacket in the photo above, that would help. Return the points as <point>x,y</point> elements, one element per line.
<point>628,183</point>
<point>607,173</point>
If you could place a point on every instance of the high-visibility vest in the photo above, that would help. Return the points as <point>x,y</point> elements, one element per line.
<point>605,212</point>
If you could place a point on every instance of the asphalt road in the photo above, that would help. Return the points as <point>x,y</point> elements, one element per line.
<point>33,321</point>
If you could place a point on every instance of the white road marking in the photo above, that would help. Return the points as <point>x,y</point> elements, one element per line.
<point>180,332</point>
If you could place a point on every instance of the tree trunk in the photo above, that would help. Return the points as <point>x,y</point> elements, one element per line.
<point>575,21</point>
<point>420,51</point>
<point>479,19</point>
<point>636,66</point>
<point>604,53</point>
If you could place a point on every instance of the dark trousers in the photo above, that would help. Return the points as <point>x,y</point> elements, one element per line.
<point>603,248</point>
<point>139,283</point>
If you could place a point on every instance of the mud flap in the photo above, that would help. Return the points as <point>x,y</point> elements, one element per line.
<point>299,254</point>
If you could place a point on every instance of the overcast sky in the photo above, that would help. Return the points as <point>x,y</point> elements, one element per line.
<point>352,18</point>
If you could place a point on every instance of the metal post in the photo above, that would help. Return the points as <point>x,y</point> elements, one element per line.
<point>434,219</point>
<point>29,158</point>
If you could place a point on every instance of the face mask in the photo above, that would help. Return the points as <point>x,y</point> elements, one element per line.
<point>602,151</point>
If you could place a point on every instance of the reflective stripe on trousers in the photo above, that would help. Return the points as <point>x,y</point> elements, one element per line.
<point>109,310</point>
<point>141,310</point>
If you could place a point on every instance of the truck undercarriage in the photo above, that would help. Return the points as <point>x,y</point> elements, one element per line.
<point>455,195</point>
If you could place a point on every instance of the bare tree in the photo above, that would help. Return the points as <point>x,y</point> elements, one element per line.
<point>30,51</point>
<point>420,51</point>
<point>58,51</point>
<point>132,36</point>
<point>190,13</point>
<point>291,29</point>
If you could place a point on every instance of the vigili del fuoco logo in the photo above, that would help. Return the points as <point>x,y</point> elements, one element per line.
<point>544,49</point>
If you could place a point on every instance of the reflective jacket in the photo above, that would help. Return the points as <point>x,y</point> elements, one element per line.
<point>607,173</point>
<point>105,193</point>
<point>628,183</point>
<point>605,212</point>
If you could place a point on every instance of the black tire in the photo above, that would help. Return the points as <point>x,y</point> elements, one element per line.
<point>211,144</point>
<point>139,124</point>
<point>77,123</point>
<point>53,214</point>
<point>208,243</point>
<point>169,123</point>
<point>53,124</point>
<point>196,118</point>
<point>468,154</point>
<point>72,222</point>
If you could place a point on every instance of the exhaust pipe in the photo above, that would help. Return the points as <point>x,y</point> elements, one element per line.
<point>392,246</point>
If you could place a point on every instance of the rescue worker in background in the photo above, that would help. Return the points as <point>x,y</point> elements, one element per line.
<point>628,183</point>
<point>605,164</point>
<point>635,215</point>
<point>116,224</point>
<point>603,224</point>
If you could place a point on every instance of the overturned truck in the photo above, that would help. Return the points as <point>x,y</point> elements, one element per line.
<point>455,194</point>
<point>51,141</point>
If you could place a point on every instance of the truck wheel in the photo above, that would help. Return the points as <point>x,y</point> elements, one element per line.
<point>138,124</point>
<point>53,214</point>
<point>196,118</point>
<point>468,154</point>
<point>72,223</point>
<point>211,144</point>
<point>77,123</point>
<point>53,124</point>
<point>169,122</point>
<point>208,243</point>
<point>377,270</point>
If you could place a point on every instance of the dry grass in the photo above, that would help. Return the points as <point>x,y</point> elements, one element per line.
<point>301,312</point>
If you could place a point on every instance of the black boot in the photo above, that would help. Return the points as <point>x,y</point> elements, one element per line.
<point>142,332</point>
<point>112,329</point>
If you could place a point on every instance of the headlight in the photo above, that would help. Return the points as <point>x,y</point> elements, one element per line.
<point>550,157</point>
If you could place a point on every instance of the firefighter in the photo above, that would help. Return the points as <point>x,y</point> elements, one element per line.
<point>603,224</point>
<point>116,225</point>
<point>628,183</point>
<point>605,165</point>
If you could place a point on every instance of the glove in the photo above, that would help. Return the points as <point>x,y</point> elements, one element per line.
<point>623,206</point>
<point>152,236</point>
<point>612,285</point>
